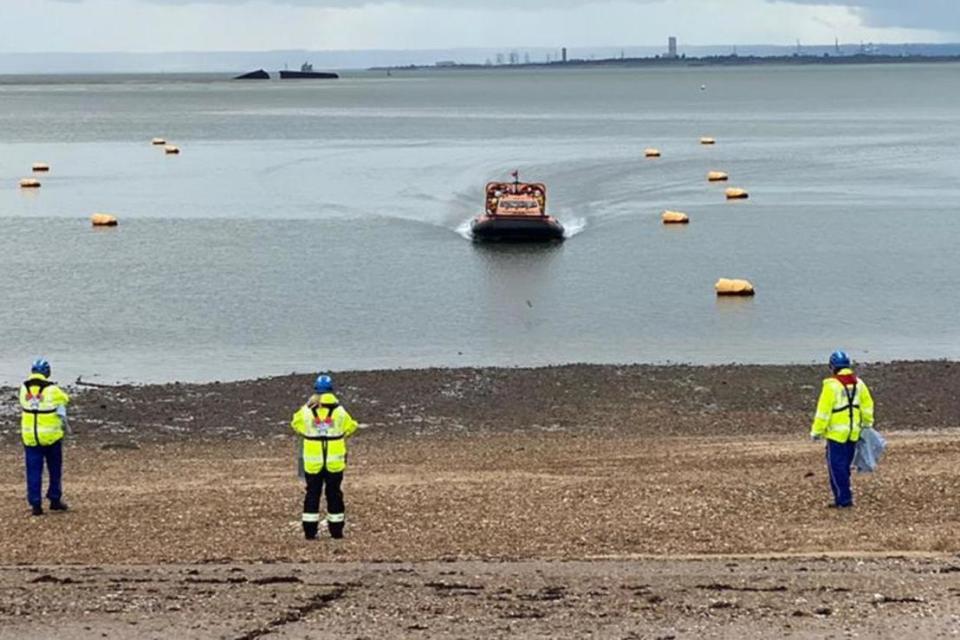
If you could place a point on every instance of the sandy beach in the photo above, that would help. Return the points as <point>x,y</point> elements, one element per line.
<point>622,502</point>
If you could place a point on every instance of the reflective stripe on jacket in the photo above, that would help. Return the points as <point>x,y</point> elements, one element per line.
<point>845,405</point>
<point>40,424</point>
<point>324,426</point>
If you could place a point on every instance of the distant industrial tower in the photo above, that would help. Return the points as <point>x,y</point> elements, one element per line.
<point>563,53</point>
<point>672,47</point>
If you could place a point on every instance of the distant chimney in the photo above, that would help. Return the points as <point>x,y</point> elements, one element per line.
<point>563,53</point>
<point>672,47</point>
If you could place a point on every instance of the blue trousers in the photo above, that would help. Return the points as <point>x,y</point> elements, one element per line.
<point>839,461</point>
<point>36,456</point>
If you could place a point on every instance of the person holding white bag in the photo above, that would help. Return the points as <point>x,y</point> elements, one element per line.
<point>844,410</point>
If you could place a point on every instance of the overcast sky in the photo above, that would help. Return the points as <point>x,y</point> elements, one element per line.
<point>235,25</point>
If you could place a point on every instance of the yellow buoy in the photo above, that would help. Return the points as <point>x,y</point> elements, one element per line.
<point>29,183</point>
<point>708,141</point>
<point>171,149</point>
<point>734,287</point>
<point>650,152</point>
<point>158,141</point>
<point>733,193</point>
<point>674,217</point>
<point>717,176</point>
<point>103,220</point>
<point>40,167</point>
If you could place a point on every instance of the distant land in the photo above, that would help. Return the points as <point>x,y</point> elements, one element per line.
<point>732,60</point>
<point>233,62</point>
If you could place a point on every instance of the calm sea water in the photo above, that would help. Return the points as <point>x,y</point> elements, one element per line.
<point>310,226</point>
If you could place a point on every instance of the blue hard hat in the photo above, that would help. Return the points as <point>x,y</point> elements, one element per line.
<point>839,360</point>
<point>323,384</point>
<point>41,366</point>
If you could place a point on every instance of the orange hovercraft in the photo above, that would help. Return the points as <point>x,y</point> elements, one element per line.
<point>516,212</point>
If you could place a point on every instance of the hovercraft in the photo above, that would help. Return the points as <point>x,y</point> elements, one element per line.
<point>516,212</point>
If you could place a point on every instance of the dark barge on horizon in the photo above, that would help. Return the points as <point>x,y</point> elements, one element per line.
<point>307,72</point>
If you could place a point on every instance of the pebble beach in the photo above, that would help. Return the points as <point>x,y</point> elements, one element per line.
<point>541,502</point>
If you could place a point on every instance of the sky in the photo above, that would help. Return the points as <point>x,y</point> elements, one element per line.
<point>262,25</point>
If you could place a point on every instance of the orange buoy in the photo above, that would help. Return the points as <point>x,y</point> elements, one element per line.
<point>171,150</point>
<point>103,220</point>
<point>158,141</point>
<point>733,193</point>
<point>717,176</point>
<point>674,217</point>
<point>734,287</point>
<point>41,167</point>
<point>708,141</point>
<point>650,152</point>
<point>29,183</point>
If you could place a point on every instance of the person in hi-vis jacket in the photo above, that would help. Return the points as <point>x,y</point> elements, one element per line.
<point>844,408</point>
<point>43,416</point>
<point>324,426</point>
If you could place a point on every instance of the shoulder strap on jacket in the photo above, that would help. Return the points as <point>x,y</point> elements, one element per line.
<point>37,382</point>
<point>851,395</point>
<point>329,407</point>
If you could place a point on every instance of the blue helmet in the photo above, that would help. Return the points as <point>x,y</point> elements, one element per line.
<point>41,366</point>
<point>323,384</point>
<point>839,360</point>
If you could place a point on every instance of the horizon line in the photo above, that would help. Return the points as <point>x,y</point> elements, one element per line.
<point>479,48</point>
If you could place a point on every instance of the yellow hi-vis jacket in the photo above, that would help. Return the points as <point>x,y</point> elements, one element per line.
<point>40,424</point>
<point>845,406</point>
<point>324,426</point>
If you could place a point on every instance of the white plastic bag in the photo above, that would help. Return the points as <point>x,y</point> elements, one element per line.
<point>870,447</point>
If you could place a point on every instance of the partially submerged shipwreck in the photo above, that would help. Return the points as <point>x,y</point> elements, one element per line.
<point>306,72</point>
<point>259,74</point>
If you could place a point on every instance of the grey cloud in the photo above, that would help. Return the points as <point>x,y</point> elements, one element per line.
<point>938,15</point>
<point>446,4</point>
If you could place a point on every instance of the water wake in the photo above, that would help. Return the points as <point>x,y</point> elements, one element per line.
<point>464,230</point>
<point>573,226</point>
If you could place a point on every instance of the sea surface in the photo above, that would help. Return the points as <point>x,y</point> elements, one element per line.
<point>314,226</point>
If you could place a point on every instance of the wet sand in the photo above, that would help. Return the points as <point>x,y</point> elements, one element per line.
<point>498,502</point>
<point>669,598</point>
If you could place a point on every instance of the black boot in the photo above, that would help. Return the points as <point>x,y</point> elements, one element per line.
<point>336,529</point>
<point>58,505</point>
<point>310,530</point>
<point>37,510</point>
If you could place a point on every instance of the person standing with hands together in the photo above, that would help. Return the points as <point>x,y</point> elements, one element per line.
<point>324,426</point>
<point>43,407</point>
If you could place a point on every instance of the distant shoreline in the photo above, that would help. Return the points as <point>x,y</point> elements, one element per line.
<point>648,62</point>
<point>705,61</point>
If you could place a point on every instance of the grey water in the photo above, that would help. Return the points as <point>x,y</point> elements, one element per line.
<point>323,225</point>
